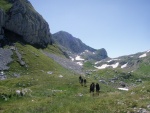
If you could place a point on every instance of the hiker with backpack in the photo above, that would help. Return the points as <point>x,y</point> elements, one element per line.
<point>97,88</point>
<point>92,88</point>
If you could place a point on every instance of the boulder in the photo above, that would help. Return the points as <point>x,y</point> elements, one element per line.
<point>122,84</point>
<point>23,20</point>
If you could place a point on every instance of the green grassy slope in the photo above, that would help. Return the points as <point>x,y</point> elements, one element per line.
<point>49,93</point>
<point>5,5</point>
<point>36,61</point>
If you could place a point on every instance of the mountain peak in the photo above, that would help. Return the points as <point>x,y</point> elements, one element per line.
<point>70,43</point>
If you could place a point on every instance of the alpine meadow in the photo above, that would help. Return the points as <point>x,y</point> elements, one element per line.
<point>39,71</point>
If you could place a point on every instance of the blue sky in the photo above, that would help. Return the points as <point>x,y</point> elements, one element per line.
<point>122,27</point>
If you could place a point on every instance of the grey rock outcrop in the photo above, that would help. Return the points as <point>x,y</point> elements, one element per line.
<point>22,63</point>
<point>98,54</point>
<point>102,53</point>
<point>5,58</point>
<point>23,20</point>
<point>65,63</point>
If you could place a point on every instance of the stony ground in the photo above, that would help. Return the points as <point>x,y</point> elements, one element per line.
<point>5,58</point>
<point>65,62</point>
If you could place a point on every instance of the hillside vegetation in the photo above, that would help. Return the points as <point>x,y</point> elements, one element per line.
<point>52,88</point>
<point>5,5</point>
<point>46,80</point>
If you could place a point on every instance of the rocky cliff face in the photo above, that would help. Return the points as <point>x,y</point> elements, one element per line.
<point>25,22</point>
<point>69,43</point>
<point>97,55</point>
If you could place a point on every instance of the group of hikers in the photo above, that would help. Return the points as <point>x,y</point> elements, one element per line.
<point>82,81</point>
<point>92,86</point>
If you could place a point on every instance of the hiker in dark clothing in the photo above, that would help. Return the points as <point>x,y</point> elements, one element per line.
<point>80,79</point>
<point>84,82</point>
<point>97,88</point>
<point>92,88</point>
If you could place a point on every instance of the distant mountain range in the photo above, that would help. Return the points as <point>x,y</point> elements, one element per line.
<point>39,70</point>
<point>74,46</point>
<point>21,23</point>
<point>129,62</point>
<point>81,53</point>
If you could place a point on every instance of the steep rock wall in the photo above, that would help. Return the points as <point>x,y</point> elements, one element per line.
<point>23,20</point>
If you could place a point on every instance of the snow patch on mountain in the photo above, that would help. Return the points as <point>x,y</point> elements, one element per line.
<point>86,50</point>
<point>106,65</point>
<point>98,62</point>
<point>102,67</point>
<point>112,60</point>
<point>125,65</point>
<point>72,59</point>
<point>80,63</point>
<point>115,65</point>
<point>79,58</point>
<point>109,60</point>
<point>148,51</point>
<point>143,55</point>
